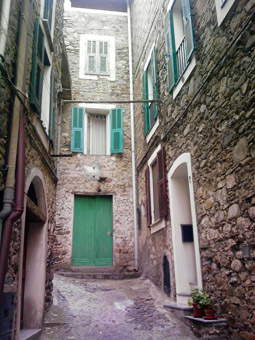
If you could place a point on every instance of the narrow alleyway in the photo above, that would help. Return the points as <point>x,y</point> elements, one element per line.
<point>110,310</point>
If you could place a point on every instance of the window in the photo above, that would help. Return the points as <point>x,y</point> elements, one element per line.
<point>156,188</point>
<point>47,14</point>
<point>97,57</point>
<point>222,9</point>
<point>93,132</point>
<point>40,60</point>
<point>179,40</point>
<point>150,92</point>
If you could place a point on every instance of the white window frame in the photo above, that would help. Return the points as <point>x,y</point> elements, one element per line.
<point>111,72</point>
<point>158,224</point>
<point>98,109</point>
<point>185,76</point>
<point>222,9</point>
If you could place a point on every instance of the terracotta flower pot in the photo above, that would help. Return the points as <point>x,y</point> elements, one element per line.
<point>210,314</point>
<point>197,311</point>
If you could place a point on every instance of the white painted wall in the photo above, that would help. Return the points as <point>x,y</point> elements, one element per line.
<point>182,209</point>
<point>185,252</point>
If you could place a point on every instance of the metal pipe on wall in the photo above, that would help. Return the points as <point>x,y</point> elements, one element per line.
<point>132,121</point>
<point>19,204</point>
<point>14,134</point>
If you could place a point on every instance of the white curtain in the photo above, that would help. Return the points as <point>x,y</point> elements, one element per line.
<point>97,134</point>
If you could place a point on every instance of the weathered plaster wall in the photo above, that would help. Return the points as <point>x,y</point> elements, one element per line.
<point>212,118</point>
<point>81,173</point>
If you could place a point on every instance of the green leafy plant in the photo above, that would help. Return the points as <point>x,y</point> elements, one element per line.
<point>200,298</point>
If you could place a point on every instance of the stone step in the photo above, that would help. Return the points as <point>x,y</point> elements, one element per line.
<point>30,334</point>
<point>100,275</point>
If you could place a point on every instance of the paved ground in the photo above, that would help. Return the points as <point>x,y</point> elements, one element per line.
<point>110,310</point>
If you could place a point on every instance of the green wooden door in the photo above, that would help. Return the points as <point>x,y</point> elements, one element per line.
<point>92,231</point>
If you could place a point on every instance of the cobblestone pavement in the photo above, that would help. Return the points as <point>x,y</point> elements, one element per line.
<point>110,310</point>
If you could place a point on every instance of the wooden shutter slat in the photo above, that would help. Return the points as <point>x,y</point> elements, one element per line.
<point>171,51</point>
<point>77,142</point>
<point>117,131</point>
<point>162,184</point>
<point>188,29</point>
<point>148,197</point>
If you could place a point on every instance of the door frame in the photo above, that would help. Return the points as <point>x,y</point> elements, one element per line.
<point>185,158</point>
<point>92,194</point>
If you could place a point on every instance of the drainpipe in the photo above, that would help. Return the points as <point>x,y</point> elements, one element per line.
<point>4,24</point>
<point>132,122</point>
<point>20,84</point>
<point>19,204</point>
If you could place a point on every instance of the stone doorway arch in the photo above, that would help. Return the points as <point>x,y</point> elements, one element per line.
<point>187,263</point>
<point>33,254</point>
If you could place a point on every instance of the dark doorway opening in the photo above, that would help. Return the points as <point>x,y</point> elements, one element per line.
<point>166,275</point>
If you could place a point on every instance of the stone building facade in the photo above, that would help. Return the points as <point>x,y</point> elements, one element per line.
<point>33,31</point>
<point>91,174</point>
<point>205,125</point>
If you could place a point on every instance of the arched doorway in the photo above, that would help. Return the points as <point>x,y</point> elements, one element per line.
<point>184,229</point>
<point>32,285</point>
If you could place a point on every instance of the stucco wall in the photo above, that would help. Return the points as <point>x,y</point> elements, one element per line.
<point>212,118</point>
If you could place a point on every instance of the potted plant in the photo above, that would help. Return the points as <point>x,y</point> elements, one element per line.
<point>195,302</point>
<point>202,305</point>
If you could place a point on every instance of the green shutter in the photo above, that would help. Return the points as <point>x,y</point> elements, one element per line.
<point>52,118</point>
<point>77,129</point>
<point>117,131</point>
<point>155,82</point>
<point>188,30</point>
<point>171,51</point>
<point>146,111</point>
<point>37,71</point>
<point>32,90</point>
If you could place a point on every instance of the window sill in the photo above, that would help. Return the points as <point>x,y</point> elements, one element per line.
<point>184,77</point>
<point>96,76</point>
<point>152,131</point>
<point>157,225</point>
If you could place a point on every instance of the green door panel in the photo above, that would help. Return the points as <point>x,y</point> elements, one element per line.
<point>92,231</point>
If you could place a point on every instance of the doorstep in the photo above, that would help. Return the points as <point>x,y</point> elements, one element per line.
<point>178,306</point>
<point>203,321</point>
<point>29,334</point>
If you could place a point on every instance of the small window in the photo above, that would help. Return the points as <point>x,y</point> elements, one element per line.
<point>97,133</point>
<point>179,40</point>
<point>97,58</point>
<point>150,92</point>
<point>156,188</point>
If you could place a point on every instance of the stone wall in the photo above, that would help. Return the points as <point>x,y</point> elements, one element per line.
<point>37,154</point>
<point>212,118</point>
<point>80,174</point>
